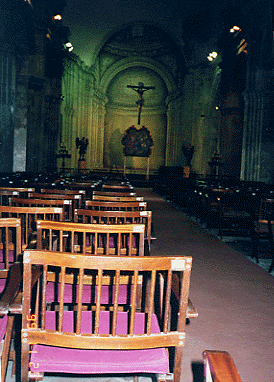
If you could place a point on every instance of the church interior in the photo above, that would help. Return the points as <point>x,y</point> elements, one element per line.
<point>66,69</point>
<point>173,101</point>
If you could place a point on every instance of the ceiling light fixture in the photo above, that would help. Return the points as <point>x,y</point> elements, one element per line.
<point>57,17</point>
<point>212,55</point>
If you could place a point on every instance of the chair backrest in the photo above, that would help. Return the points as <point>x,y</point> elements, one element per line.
<point>29,217</point>
<point>111,205</point>
<point>145,324</point>
<point>10,243</point>
<point>266,211</point>
<point>118,198</point>
<point>114,193</point>
<point>92,239</point>
<point>115,217</point>
<point>62,192</point>
<point>220,367</point>
<point>121,187</point>
<point>6,193</point>
<point>65,203</point>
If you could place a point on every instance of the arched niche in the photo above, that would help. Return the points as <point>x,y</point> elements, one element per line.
<point>122,112</point>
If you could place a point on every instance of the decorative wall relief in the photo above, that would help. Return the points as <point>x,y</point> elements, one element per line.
<point>137,142</point>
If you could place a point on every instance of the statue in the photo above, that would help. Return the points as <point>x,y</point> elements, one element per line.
<point>82,144</point>
<point>140,89</point>
<point>188,153</point>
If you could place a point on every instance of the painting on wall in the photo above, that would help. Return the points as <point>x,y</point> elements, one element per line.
<point>137,142</point>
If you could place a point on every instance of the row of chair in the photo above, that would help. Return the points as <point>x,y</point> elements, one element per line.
<point>238,213</point>
<point>76,298</point>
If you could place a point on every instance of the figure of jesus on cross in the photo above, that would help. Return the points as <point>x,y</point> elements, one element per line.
<point>140,89</point>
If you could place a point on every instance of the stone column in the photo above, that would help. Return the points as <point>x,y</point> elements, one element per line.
<point>7,105</point>
<point>252,136</point>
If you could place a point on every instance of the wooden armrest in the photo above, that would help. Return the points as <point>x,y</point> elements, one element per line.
<point>191,311</point>
<point>219,365</point>
<point>11,301</point>
<point>32,241</point>
<point>12,287</point>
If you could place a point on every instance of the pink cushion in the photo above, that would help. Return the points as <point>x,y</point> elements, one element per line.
<point>11,256</point>
<point>3,326</point>
<point>89,294</point>
<point>2,285</point>
<point>66,360</point>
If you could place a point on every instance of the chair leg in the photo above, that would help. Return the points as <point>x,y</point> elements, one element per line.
<point>6,347</point>
<point>255,245</point>
<point>271,266</point>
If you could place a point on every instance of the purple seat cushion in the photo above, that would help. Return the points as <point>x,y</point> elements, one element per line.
<point>2,285</point>
<point>79,361</point>
<point>3,326</point>
<point>11,256</point>
<point>89,294</point>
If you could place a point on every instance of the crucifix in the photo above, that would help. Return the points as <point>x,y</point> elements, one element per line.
<point>140,89</point>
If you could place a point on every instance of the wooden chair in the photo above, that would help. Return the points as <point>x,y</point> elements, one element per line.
<point>118,198</point>
<point>103,339</point>
<point>29,217</point>
<point>118,206</point>
<point>8,192</point>
<point>10,282</point>
<point>91,239</point>
<point>114,193</point>
<point>10,316</point>
<point>219,367</point>
<point>119,187</point>
<point>10,246</point>
<point>263,231</point>
<point>64,203</point>
<point>116,217</point>
<point>78,195</point>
